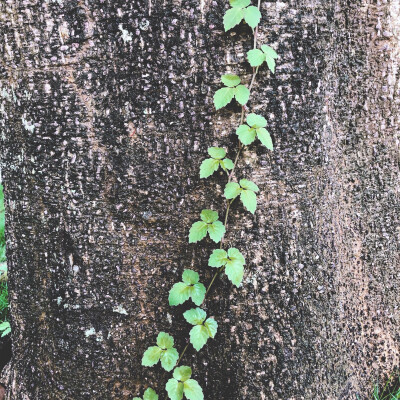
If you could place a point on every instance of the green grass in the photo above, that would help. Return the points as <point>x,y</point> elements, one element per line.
<point>390,391</point>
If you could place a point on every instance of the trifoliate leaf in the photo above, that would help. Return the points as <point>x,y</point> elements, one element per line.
<point>246,134</point>
<point>209,216</point>
<point>182,373</point>
<point>150,394</point>
<point>232,190</point>
<point>197,293</point>
<point>223,96</point>
<point>234,271</point>
<point>256,121</point>
<point>169,359</point>
<point>255,57</point>
<point>239,3</point>
<point>233,17</point>
<point>249,200</point>
<point>192,390</point>
<point>165,341</point>
<point>190,277</point>
<point>195,316</point>
<point>179,293</point>
<point>235,256</point>
<point>227,163</point>
<point>265,138</point>
<point>151,356</point>
<point>218,258</point>
<point>198,231</point>
<point>216,231</point>
<point>199,336</point>
<point>242,94</point>
<point>212,327</point>
<point>252,16</point>
<point>217,152</point>
<point>230,80</point>
<point>174,389</point>
<point>208,167</point>
<point>245,184</point>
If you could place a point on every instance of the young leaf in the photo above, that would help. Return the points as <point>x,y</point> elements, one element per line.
<point>255,57</point>
<point>270,55</point>
<point>234,271</point>
<point>192,390</point>
<point>208,167</point>
<point>233,17</point>
<point>179,293</point>
<point>151,356</point>
<point>239,3</point>
<point>199,336</point>
<point>197,293</point>
<point>231,81</point>
<point>256,121</point>
<point>245,184</point>
<point>150,394</point>
<point>249,200</point>
<point>198,231</point>
<point>218,258</point>
<point>182,373</point>
<point>165,341</point>
<point>223,96</point>
<point>242,94</point>
<point>216,230</point>
<point>217,152</point>
<point>209,216</point>
<point>174,389</point>
<point>265,138</point>
<point>246,134</point>
<point>169,359</point>
<point>236,256</point>
<point>190,287</point>
<point>252,16</point>
<point>227,164</point>
<point>212,326</point>
<point>190,277</point>
<point>195,316</point>
<point>232,190</point>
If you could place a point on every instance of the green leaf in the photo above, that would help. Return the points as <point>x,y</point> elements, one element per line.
<point>265,138</point>
<point>182,373</point>
<point>198,231</point>
<point>190,277</point>
<point>216,231</point>
<point>246,134</point>
<point>255,57</point>
<point>165,341</point>
<point>252,16</point>
<point>217,152</point>
<point>256,121</point>
<point>199,336</point>
<point>193,390</point>
<point>230,80</point>
<point>174,389</point>
<point>232,190</point>
<point>236,256</point>
<point>169,359</point>
<point>218,258</point>
<point>197,293</point>
<point>150,394</point>
<point>151,356</point>
<point>136,398</point>
<point>227,164</point>
<point>249,200</point>
<point>223,96</point>
<point>179,293</point>
<point>234,271</point>
<point>195,316</point>
<point>208,167</point>
<point>242,94</point>
<point>239,3</point>
<point>233,17</point>
<point>269,51</point>
<point>245,184</point>
<point>212,327</point>
<point>209,216</point>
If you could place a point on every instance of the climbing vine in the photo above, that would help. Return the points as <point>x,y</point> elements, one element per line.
<point>229,261</point>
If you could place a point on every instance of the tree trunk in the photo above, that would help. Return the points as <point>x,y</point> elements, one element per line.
<point>106,114</point>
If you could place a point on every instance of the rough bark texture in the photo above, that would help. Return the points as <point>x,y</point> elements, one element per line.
<point>101,140</point>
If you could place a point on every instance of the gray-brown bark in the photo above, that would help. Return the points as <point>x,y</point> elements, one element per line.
<point>101,140</point>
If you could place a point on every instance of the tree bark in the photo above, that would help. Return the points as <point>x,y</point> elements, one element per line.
<point>106,114</point>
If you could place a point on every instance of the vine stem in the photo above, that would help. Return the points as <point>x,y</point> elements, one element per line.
<point>230,176</point>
